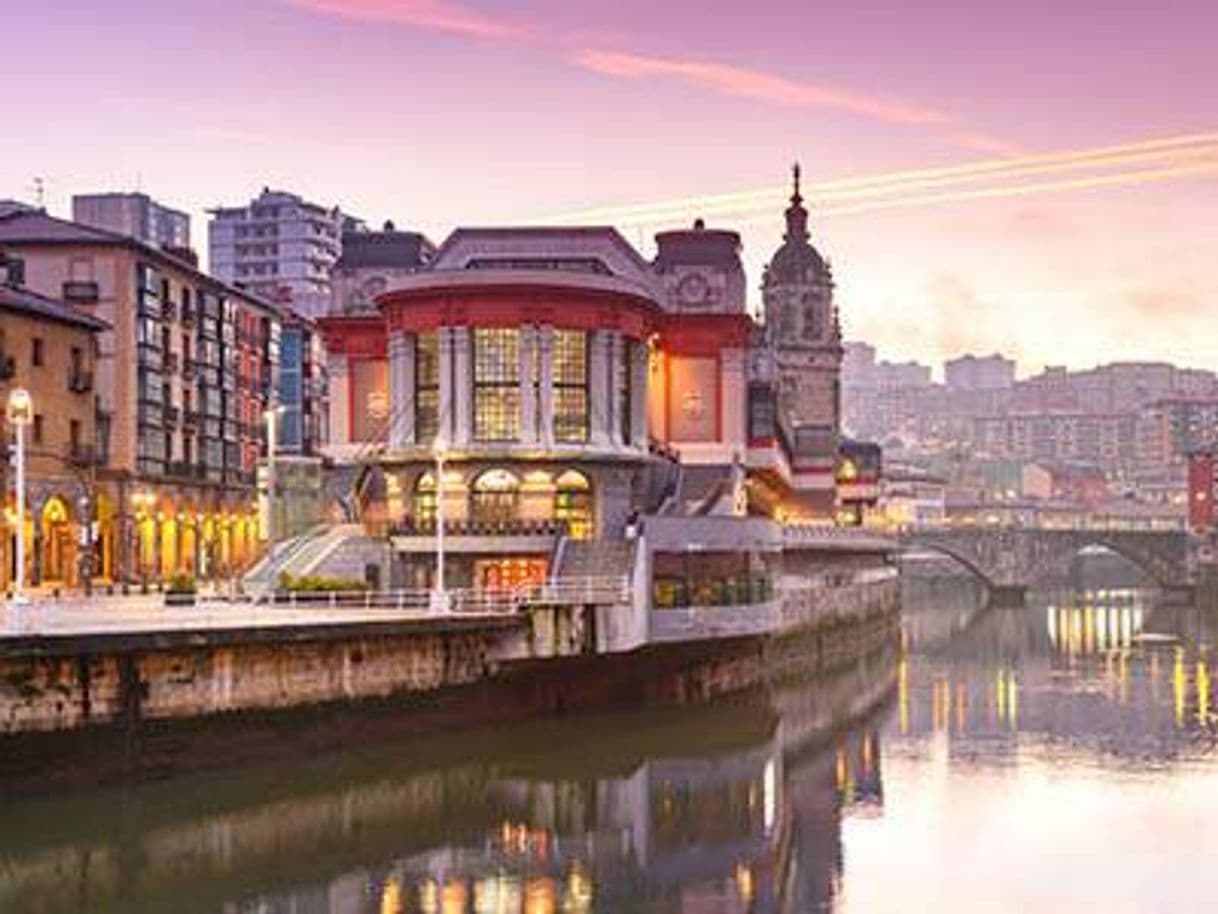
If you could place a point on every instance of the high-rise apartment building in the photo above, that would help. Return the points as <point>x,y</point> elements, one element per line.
<point>135,215</point>
<point>280,246</point>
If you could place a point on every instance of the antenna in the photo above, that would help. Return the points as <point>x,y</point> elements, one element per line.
<point>40,191</point>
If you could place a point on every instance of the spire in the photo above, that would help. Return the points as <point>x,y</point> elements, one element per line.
<point>797,216</point>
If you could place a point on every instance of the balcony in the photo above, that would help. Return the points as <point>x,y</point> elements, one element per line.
<point>183,469</point>
<point>171,363</point>
<point>190,419</point>
<point>480,536</point>
<point>169,311</point>
<point>189,368</point>
<point>80,381</point>
<point>188,316</point>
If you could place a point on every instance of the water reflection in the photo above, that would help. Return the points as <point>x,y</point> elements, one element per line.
<point>1058,757</point>
<point>731,808</point>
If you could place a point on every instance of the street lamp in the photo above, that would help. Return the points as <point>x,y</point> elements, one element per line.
<point>20,414</point>
<point>439,595</point>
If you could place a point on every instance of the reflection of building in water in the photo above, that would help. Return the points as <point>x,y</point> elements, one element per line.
<point>1080,671</point>
<point>729,808</point>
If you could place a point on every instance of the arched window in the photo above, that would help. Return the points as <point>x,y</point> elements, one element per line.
<point>496,497</point>
<point>425,500</point>
<point>573,503</point>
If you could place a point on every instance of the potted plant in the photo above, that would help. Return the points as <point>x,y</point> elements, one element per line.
<point>181,591</point>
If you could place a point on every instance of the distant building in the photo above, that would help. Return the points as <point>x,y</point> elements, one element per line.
<point>135,215</point>
<point>372,262</point>
<point>280,246</point>
<point>970,372</point>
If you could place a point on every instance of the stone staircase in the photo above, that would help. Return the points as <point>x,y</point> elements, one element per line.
<point>303,555</point>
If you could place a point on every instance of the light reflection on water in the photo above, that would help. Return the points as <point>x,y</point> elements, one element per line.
<point>1058,757</point>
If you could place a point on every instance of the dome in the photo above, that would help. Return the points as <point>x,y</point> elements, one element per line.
<point>796,261</point>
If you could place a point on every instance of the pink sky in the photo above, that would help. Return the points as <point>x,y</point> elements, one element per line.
<point>437,113</point>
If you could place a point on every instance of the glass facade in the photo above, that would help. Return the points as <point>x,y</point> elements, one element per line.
<point>496,384</point>
<point>427,387</point>
<point>570,386</point>
<point>290,433</point>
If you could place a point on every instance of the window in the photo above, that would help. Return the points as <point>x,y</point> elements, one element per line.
<point>74,435</point>
<point>37,428</point>
<point>625,390</point>
<point>36,351</point>
<point>570,385</point>
<point>496,384</point>
<point>573,504</point>
<point>426,387</point>
<point>425,501</point>
<point>496,497</point>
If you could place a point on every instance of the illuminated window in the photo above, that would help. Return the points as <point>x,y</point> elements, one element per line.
<point>427,387</point>
<point>495,497</point>
<point>496,384</point>
<point>570,385</point>
<point>425,500</point>
<point>573,504</point>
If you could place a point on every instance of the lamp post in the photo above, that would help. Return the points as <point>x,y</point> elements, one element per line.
<point>439,595</point>
<point>20,414</point>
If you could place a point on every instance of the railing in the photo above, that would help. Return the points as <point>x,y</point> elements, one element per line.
<point>508,527</point>
<point>468,600</point>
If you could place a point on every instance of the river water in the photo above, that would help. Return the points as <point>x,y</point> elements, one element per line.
<point>1055,758</point>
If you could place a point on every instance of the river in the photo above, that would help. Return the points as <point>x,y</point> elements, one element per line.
<point>1054,758</point>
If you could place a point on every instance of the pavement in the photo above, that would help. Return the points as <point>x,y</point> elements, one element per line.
<point>147,614</point>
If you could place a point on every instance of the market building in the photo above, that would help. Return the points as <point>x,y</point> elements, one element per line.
<point>538,389</point>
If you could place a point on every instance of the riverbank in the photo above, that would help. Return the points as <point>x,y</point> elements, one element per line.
<point>104,707</point>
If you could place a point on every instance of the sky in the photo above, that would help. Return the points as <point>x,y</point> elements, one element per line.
<point>1037,178</point>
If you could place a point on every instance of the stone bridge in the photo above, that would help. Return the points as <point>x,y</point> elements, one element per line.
<point>1008,559</point>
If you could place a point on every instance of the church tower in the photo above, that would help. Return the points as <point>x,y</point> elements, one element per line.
<point>803,329</point>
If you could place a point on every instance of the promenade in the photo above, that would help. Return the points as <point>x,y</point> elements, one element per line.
<point>145,619</point>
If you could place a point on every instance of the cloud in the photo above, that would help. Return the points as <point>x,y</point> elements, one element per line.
<point>725,79</point>
<point>438,15</point>
<point>746,83</point>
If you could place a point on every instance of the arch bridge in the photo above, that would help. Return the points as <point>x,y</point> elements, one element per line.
<point>1009,559</point>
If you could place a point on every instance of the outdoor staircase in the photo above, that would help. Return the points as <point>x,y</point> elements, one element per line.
<point>300,556</point>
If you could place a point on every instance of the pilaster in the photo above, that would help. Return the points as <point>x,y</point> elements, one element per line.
<point>599,395</point>
<point>463,383</point>
<point>529,428</point>
<point>338,376</point>
<point>546,388</point>
<point>401,389</point>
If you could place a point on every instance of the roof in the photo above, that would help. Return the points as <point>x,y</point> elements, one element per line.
<point>36,227</point>
<point>522,241</point>
<point>384,249</point>
<point>23,301</point>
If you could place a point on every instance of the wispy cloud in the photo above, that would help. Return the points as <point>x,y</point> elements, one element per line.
<point>438,15</point>
<point>757,84</point>
<point>710,76</point>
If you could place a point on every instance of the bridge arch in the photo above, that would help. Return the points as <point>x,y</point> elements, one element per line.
<point>959,556</point>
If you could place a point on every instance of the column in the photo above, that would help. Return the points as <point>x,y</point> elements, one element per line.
<point>638,395</point>
<point>340,392</point>
<point>617,372</point>
<point>734,392</point>
<point>545,404</point>
<point>528,385</point>
<point>401,389</point>
<point>600,397</point>
<point>463,383</point>
<point>445,345</point>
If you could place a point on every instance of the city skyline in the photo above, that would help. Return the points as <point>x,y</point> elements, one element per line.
<point>388,108</point>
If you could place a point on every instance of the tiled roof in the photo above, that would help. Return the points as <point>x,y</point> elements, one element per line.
<point>23,301</point>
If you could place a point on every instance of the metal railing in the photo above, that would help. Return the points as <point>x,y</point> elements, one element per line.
<point>468,600</point>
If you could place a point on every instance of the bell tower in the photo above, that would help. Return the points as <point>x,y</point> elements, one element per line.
<point>802,327</point>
